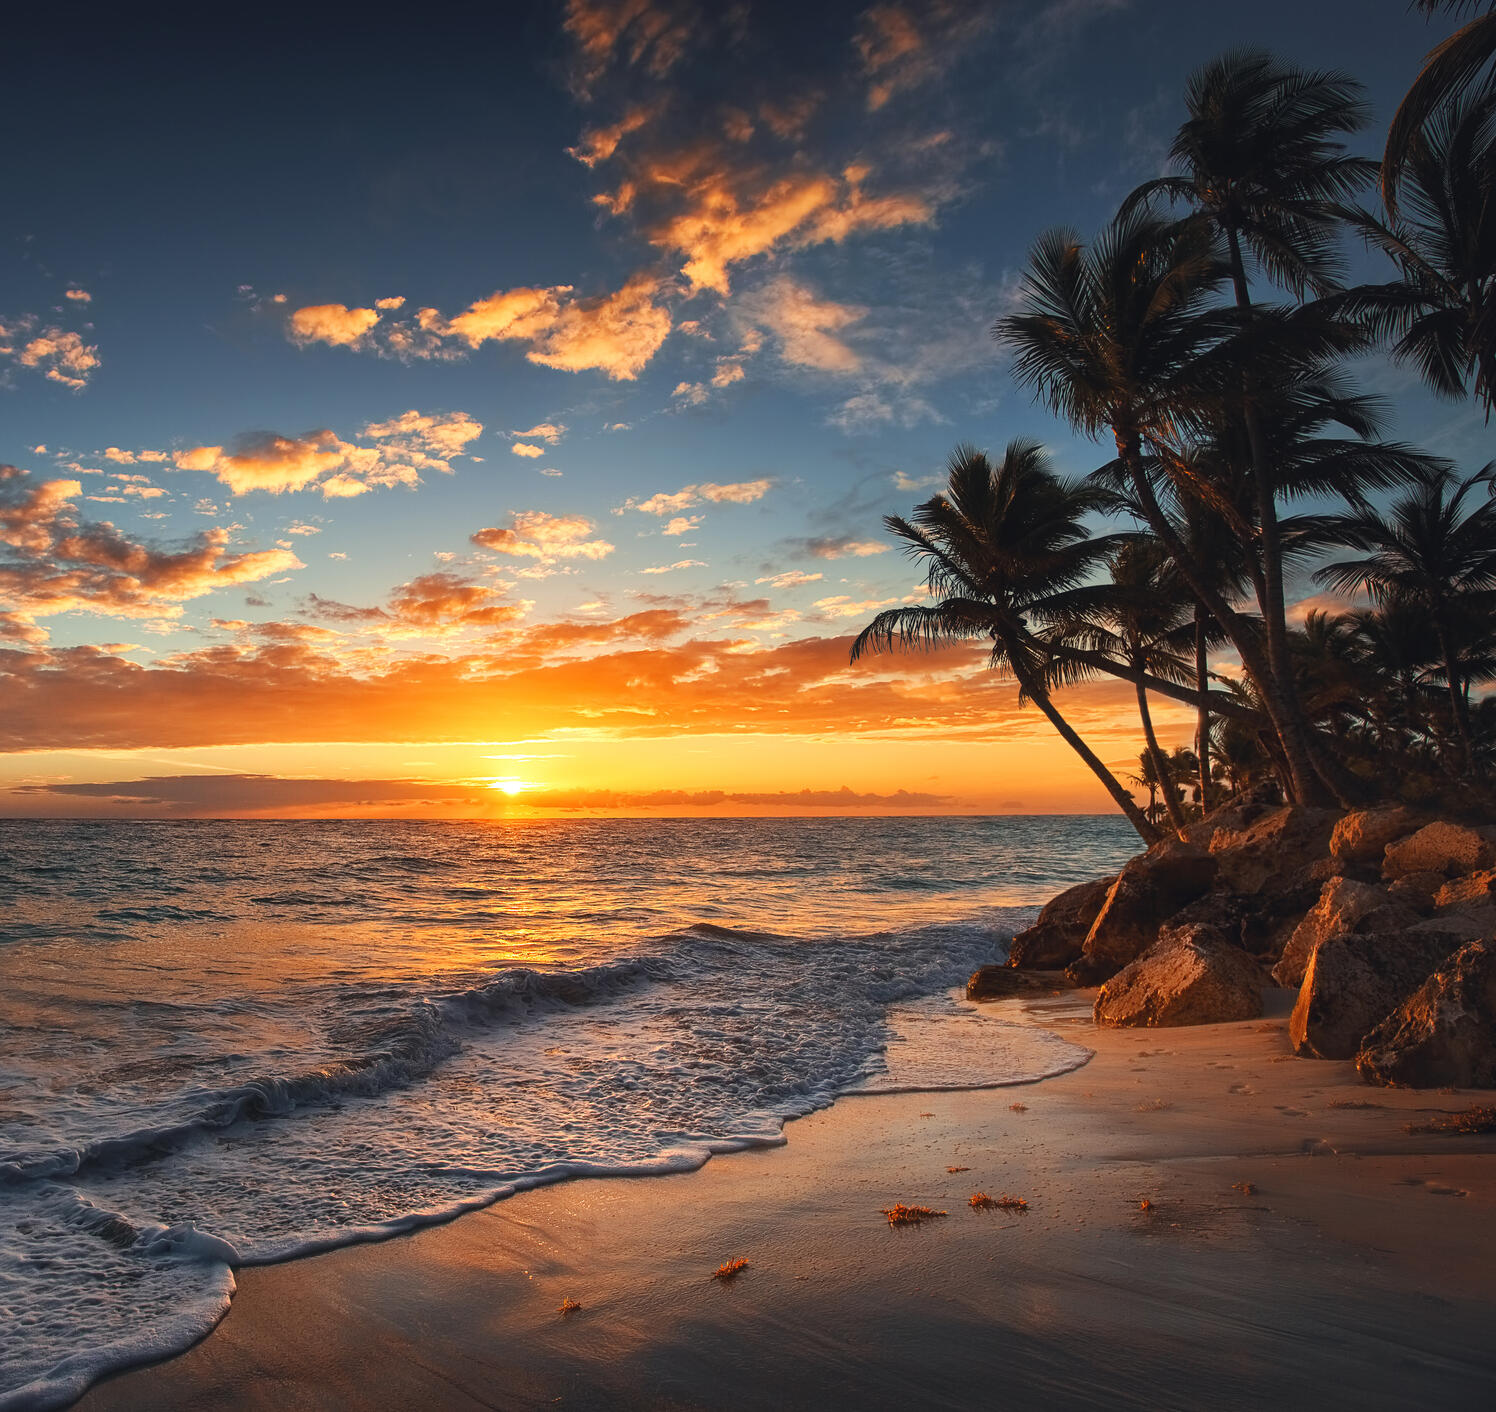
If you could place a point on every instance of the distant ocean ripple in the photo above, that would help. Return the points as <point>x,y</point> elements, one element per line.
<point>235,1042</point>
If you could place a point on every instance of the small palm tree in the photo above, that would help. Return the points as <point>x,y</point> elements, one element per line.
<point>1006,550</point>
<point>1144,621</point>
<point>1449,70</point>
<point>1433,551</point>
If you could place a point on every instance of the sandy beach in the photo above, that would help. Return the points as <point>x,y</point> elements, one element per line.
<point>1302,1248</point>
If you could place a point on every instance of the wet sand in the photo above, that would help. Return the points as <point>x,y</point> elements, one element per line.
<point>1358,1270</point>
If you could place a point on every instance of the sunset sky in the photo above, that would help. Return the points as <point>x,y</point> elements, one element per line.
<point>499,415</point>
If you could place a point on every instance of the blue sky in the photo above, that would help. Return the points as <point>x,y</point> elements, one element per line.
<point>736,264</point>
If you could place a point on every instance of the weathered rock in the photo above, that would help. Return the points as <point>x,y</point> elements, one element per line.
<point>1055,940</point>
<point>1228,818</point>
<point>1147,892</point>
<point>999,982</point>
<point>1342,904</point>
<point>1444,1034</point>
<point>1440,847</point>
<point>1276,852</point>
<point>1417,890</point>
<point>1352,983</point>
<point>1459,924</point>
<point>1475,890</point>
<point>1192,976</point>
<point>1361,838</point>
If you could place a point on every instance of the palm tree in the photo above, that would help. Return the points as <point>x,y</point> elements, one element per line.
<point>1441,313</point>
<point>1144,622</point>
<point>1434,552</point>
<point>1261,159</point>
<point>1005,549</point>
<point>1449,70</point>
<point>1116,338</point>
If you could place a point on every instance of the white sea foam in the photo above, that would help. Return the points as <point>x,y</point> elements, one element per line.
<point>178,1104</point>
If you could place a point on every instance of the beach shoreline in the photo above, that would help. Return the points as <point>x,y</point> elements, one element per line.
<point>1300,1246</point>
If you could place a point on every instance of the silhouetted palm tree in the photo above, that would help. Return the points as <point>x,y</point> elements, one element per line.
<point>1143,621</point>
<point>1449,71</point>
<point>1434,552</point>
<point>1117,338</point>
<point>1005,550</point>
<point>1261,159</point>
<point>1441,314</point>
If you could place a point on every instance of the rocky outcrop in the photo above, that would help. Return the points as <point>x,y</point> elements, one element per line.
<point>1274,853</point>
<point>1353,982</point>
<point>1361,838</point>
<point>1417,890</point>
<point>1055,940</point>
<point>1477,889</point>
<point>1458,925</point>
<point>1343,905</point>
<point>1191,976</point>
<point>1146,894</point>
<point>1444,1034</point>
<point>999,982</point>
<point>1441,847</point>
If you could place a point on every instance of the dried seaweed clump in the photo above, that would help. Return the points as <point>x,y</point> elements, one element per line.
<point>901,1215</point>
<point>958,1169</point>
<point>1018,1107</point>
<point>569,1305</point>
<point>1476,1119</point>
<point>1246,1188</point>
<point>1145,1205</point>
<point>730,1269</point>
<point>982,1202</point>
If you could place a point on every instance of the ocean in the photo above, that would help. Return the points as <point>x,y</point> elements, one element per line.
<point>229,1043</point>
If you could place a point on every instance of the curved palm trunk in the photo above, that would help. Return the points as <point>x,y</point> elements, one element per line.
<point>1160,762</point>
<point>1122,797</point>
<point>1202,712</point>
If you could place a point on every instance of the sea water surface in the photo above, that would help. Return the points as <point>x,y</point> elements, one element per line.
<point>225,1043</point>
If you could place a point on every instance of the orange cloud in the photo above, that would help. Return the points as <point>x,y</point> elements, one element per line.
<point>805,325</point>
<point>743,492</point>
<point>404,447</point>
<point>60,355</point>
<point>533,534</point>
<point>61,564</point>
<point>643,34</point>
<point>336,324</point>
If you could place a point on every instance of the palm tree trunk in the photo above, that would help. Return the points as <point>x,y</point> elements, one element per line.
<point>1309,781</point>
<point>1457,703</point>
<point>1160,763</point>
<point>1123,798</point>
<point>1305,784</point>
<point>1202,711</point>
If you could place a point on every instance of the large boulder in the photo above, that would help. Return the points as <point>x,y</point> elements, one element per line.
<point>1477,889</point>
<point>1440,847</point>
<point>1276,852</point>
<point>1444,1034</point>
<point>1418,890</point>
<point>1192,976</point>
<point>1361,838</point>
<point>1353,982</point>
<point>1342,906</point>
<point>1055,940</point>
<point>1147,892</point>
<point>1459,925</point>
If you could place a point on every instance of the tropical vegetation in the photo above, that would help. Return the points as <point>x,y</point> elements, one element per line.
<point>1207,337</point>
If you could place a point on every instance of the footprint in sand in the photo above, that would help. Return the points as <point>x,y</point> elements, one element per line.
<point>1241,1088</point>
<point>1435,1188</point>
<point>1292,1112</point>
